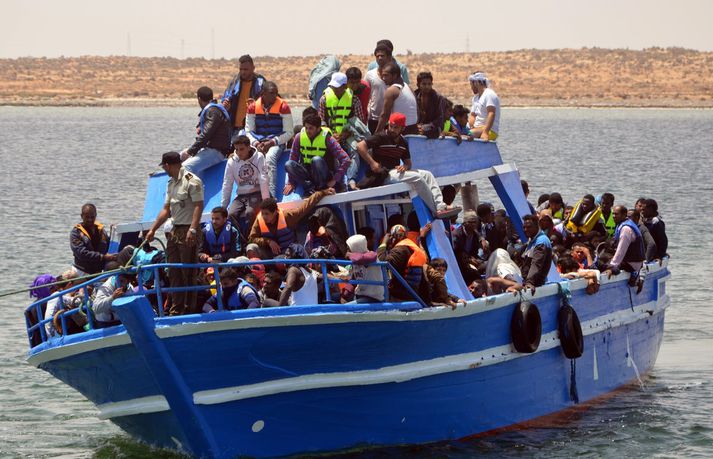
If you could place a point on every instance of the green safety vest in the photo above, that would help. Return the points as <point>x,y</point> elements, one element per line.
<point>338,110</point>
<point>311,148</point>
<point>609,224</point>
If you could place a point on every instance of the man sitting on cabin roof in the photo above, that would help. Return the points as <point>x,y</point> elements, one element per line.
<point>274,228</point>
<point>430,106</point>
<point>243,89</point>
<point>312,159</point>
<point>246,168</point>
<point>221,240</point>
<point>485,112</point>
<point>537,259</point>
<point>269,126</point>
<point>388,150</point>
<point>90,243</point>
<point>212,144</point>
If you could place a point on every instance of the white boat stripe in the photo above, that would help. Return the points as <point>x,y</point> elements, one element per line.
<point>436,313</point>
<point>394,373</point>
<point>150,404</point>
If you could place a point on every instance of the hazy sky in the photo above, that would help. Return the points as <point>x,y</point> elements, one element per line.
<point>187,28</point>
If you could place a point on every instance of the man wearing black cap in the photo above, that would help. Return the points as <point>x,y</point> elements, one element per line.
<point>184,204</point>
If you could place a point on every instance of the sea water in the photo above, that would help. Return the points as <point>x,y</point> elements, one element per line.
<point>53,160</point>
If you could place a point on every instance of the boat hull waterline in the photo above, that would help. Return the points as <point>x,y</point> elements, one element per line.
<point>327,378</point>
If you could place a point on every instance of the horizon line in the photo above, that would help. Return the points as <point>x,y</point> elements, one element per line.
<point>583,48</point>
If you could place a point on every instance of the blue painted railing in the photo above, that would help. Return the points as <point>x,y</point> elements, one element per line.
<point>86,309</point>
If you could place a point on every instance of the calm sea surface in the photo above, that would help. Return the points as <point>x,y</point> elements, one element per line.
<point>52,160</point>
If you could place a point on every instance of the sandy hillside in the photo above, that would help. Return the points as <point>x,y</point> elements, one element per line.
<point>672,77</point>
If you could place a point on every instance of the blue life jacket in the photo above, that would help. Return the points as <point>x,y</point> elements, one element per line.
<point>218,244</point>
<point>268,124</point>
<point>636,251</point>
<point>222,109</point>
<point>461,130</point>
<point>147,257</point>
<point>234,90</point>
<point>235,301</point>
<point>540,239</point>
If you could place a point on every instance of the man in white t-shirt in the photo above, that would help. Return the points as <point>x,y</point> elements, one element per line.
<point>382,53</point>
<point>484,119</point>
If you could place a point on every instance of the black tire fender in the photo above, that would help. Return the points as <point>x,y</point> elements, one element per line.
<point>526,328</point>
<point>570,332</point>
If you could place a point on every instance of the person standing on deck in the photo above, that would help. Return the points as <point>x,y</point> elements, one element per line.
<point>90,243</point>
<point>269,126</point>
<point>485,113</point>
<point>243,89</point>
<point>656,226</point>
<point>361,90</point>
<point>382,53</point>
<point>184,205</point>
<point>607,214</point>
<point>629,243</point>
<point>398,98</point>
<point>374,64</point>
<point>338,107</point>
<point>212,144</point>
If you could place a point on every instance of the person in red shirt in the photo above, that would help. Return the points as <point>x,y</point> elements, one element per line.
<point>360,88</point>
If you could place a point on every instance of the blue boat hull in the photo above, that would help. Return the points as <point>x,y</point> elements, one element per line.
<point>295,380</point>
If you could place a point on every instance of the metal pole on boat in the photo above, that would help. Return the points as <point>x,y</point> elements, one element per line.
<point>136,315</point>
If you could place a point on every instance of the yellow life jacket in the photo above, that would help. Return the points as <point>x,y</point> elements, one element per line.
<point>582,224</point>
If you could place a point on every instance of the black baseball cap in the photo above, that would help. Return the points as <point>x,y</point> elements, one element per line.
<point>171,157</point>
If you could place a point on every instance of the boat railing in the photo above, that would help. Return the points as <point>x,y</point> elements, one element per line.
<point>37,328</point>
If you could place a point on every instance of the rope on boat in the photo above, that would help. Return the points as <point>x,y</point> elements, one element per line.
<point>573,394</point>
<point>83,278</point>
<point>566,295</point>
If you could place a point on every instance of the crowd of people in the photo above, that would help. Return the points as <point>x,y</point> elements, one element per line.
<point>354,120</point>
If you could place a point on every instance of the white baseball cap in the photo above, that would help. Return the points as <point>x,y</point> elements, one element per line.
<point>338,80</point>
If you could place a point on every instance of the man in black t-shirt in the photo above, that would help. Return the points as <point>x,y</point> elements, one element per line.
<point>390,162</point>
